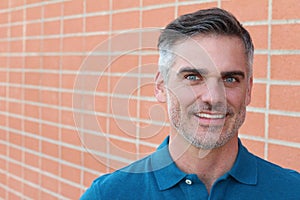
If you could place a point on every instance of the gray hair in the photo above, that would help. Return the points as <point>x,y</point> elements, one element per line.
<point>214,21</point>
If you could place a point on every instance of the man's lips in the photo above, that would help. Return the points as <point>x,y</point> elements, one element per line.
<point>205,115</point>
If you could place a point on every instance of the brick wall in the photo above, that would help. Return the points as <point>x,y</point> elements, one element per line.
<point>76,91</point>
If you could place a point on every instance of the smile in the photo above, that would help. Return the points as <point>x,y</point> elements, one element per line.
<point>211,116</point>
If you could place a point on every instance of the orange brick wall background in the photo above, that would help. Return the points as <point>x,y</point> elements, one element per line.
<point>75,105</point>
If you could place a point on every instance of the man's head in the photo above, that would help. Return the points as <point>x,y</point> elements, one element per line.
<point>213,21</point>
<point>205,76</point>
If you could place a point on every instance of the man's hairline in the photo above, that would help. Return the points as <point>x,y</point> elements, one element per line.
<point>170,48</point>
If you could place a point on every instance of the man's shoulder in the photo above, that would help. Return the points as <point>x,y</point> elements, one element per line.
<point>134,177</point>
<point>273,172</point>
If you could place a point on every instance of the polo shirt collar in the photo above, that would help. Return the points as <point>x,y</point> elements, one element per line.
<point>163,165</point>
<point>244,169</point>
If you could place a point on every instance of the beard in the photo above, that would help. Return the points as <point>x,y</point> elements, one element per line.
<point>206,137</point>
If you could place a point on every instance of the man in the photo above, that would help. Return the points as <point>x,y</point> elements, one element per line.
<point>205,77</point>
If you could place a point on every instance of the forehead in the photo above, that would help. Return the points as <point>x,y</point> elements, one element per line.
<point>213,53</point>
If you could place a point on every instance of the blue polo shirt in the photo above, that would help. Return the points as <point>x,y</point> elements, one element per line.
<point>157,177</point>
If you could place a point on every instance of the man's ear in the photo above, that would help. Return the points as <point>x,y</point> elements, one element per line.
<point>249,91</point>
<point>160,89</point>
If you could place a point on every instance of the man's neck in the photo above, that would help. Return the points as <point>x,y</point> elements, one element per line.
<point>208,165</point>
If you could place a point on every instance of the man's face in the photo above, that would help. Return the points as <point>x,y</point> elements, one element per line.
<point>208,90</point>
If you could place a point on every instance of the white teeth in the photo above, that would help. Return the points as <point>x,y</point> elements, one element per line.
<point>211,116</point>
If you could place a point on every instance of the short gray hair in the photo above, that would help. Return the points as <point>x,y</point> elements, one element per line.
<point>213,21</point>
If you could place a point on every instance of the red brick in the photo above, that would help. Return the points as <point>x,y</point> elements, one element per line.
<point>49,114</point>
<point>32,62</point>
<point>70,192</point>
<point>32,160</point>
<point>89,178</point>
<point>154,2</point>
<point>49,131</point>
<point>285,9</point>
<point>33,29</point>
<point>31,143</point>
<point>50,149</point>
<point>51,62</point>
<point>4,4</point>
<point>32,176</point>
<point>50,79</point>
<point>48,196</point>
<point>73,25</point>
<point>285,67</point>
<point>125,150</point>
<point>51,45</point>
<point>70,173</point>
<point>95,162</point>
<point>255,147</point>
<point>283,128</point>
<point>116,5</point>
<point>124,85</point>
<point>118,20</point>
<point>254,124</point>
<point>71,62</point>
<point>258,98</point>
<point>31,192</point>
<point>73,7</point>
<point>71,155</point>
<point>17,46</point>
<point>73,44</point>
<point>15,77</point>
<point>101,104</point>
<point>15,138</point>
<point>32,95</point>
<point>53,10</point>
<point>122,128</point>
<point>243,10</point>
<point>284,156</point>
<point>154,134</point>
<point>31,111</point>
<point>33,45</point>
<point>31,127</point>
<point>16,31</point>
<point>93,42</point>
<point>165,16</point>
<point>50,166</point>
<point>285,98</point>
<point>14,184</point>
<point>284,37</point>
<point>17,16</point>
<point>15,169</point>
<point>95,6</point>
<point>49,97</point>
<point>125,64</point>
<point>259,35</point>
<point>260,64</point>
<point>70,137</point>
<point>97,23</point>
<point>52,28</point>
<point>33,13</point>
<point>49,183</point>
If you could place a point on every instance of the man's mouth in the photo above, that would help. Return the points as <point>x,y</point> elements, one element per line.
<point>211,115</point>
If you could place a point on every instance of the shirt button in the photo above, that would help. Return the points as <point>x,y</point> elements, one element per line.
<point>188,181</point>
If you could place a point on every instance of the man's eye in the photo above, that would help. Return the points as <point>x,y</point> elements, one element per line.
<point>231,80</point>
<point>192,77</point>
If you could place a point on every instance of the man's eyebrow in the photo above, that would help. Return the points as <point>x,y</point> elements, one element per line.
<point>192,70</point>
<point>233,73</point>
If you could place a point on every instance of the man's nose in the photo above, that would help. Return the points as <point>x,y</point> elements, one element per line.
<point>214,92</point>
